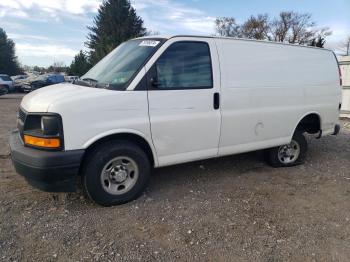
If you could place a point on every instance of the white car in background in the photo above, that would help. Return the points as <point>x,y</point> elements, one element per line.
<point>19,77</point>
<point>18,81</point>
<point>71,79</point>
<point>6,84</point>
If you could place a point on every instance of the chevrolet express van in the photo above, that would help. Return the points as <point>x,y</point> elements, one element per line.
<point>154,102</point>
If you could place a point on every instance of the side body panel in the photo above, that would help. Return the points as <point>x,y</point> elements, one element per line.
<point>268,88</point>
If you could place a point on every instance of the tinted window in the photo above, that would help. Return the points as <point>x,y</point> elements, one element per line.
<point>185,65</point>
<point>5,78</point>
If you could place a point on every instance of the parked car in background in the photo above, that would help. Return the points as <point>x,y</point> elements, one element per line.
<point>19,77</point>
<point>71,79</point>
<point>41,81</point>
<point>18,80</point>
<point>19,84</point>
<point>6,84</point>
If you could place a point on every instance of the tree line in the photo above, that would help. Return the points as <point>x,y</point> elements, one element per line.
<point>288,27</point>
<point>117,22</point>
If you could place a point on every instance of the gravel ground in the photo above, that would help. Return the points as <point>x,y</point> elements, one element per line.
<point>229,209</point>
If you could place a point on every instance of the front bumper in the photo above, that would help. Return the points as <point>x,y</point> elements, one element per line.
<point>51,171</point>
<point>26,88</point>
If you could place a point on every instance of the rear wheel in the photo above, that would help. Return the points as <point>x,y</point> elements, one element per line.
<point>291,154</point>
<point>115,173</point>
<point>4,89</point>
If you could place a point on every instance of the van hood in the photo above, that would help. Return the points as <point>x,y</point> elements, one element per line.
<point>40,100</point>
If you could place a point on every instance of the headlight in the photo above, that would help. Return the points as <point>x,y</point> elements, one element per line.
<point>43,131</point>
<point>50,125</point>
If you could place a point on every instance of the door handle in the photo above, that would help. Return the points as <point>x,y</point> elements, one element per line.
<point>216,101</point>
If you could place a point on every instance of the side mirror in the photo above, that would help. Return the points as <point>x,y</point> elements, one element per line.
<point>154,82</point>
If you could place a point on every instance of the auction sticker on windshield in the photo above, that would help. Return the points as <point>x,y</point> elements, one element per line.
<point>151,43</point>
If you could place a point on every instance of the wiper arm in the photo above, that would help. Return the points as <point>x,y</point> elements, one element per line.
<point>102,86</point>
<point>89,82</point>
<point>82,83</point>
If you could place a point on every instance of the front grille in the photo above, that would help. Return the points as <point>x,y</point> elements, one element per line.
<point>21,120</point>
<point>22,115</point>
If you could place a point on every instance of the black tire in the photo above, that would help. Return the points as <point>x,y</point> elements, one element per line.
<point>272,158</point>
<point>5,89</point>
<point>96,161</point>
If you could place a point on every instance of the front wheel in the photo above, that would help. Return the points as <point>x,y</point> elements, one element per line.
<point>115,173</point>
<point>288,155</point>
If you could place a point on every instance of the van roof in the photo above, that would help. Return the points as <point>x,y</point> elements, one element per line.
<point>233,38</point>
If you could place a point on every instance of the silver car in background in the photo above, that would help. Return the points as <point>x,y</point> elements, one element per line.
<point>6,84</point>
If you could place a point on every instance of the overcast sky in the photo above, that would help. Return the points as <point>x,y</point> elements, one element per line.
<point>55,30</point>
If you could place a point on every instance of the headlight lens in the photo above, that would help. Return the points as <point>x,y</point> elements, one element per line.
<point>44,131</point>
<point>49,125</point>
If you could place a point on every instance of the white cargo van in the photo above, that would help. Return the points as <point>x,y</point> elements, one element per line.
<point>154,102</point>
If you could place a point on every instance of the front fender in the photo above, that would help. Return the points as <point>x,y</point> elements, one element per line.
<point>98,137</point>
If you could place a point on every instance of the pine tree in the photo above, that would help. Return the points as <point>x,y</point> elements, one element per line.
<point>80,65</point>
<point>115,23</point>
<point>8,60</point>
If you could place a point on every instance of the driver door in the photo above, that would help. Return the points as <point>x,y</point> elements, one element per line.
<point>184,106</point>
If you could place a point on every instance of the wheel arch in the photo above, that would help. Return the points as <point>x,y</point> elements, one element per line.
<point>310,122</point>
<point>133,136</point>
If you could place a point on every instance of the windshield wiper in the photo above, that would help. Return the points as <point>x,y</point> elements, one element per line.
<point>90,82</point>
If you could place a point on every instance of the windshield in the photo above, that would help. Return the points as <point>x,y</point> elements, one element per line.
<point>118,67</point>
<point>5,78</point>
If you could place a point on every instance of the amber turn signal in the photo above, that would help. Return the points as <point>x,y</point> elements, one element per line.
<point>42,142</point>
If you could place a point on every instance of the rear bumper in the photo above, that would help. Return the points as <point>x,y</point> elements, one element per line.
<point>51,171</point>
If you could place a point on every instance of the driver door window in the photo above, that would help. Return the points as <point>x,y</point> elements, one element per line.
<point>185,65</point>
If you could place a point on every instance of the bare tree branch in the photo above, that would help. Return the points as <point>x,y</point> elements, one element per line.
<point>345,46</point>
<point>288,27</point>
<point>226,26</point>
<point>256,27</point>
